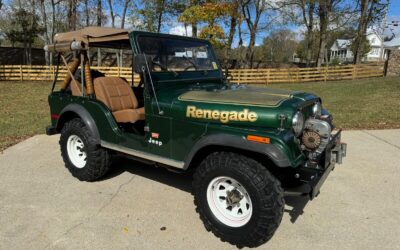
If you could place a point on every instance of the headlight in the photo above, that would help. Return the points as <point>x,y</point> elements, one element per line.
<point>298,123</point>
<point>316,109</point>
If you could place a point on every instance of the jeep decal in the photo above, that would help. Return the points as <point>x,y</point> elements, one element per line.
<point>223,116</point>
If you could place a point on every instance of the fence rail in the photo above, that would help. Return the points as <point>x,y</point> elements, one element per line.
<point>251,76</point>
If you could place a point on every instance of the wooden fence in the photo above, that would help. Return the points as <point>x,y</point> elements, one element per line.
<point>251,76</point>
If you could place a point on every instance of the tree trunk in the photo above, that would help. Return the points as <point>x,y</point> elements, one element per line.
<point>308,19</point>
<point>160,15</point>
<point>112,16</point>
<point>99,14</point>
<point>361,32</point>
<point>86,2</point>
<point>72,14</point>
<point>46,31</point>
<point>323,13</point>
<point>123,17</point>
<point>250,49</point>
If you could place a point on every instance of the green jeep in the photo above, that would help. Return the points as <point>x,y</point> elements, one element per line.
<point>247,147</point>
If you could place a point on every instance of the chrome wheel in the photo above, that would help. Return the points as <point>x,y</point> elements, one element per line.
<point>76,151</point>
<point>229,201</point>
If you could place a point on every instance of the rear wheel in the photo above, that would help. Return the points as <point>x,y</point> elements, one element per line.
<point>86,160</point>
<point>237,199</point>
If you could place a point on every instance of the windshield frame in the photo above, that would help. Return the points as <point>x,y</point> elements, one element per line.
<point>179,75</point>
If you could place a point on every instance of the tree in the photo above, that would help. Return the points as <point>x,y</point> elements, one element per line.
<point>22,26</point>
<point>333,15</point>
<point>279,46</point>
<point>210,14</point>
<point>72,14</point>
<point>370,11</point>
<point>152,14</point>
<point>252,11</point>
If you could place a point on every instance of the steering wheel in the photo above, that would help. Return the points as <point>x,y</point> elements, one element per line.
<point>193,65</point>
<point>190,66</point>
<point>158,63</point>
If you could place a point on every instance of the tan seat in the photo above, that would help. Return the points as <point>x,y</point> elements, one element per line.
<point>118,96</point>
<point>76,88</point>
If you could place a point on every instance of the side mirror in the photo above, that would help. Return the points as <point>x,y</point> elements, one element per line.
<point>139,63</point>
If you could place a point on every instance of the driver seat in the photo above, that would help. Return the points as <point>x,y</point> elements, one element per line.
<point>118,96</point>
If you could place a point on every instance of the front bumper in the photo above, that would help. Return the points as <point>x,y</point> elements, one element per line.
<point>314,174</point>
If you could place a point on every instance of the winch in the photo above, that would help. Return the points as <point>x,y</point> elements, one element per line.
<point>315,137</point>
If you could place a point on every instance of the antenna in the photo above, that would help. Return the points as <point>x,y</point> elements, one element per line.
<point>160,112</point>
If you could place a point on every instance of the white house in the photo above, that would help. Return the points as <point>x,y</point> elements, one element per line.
<point>341,49</point>
<point>393,44</point>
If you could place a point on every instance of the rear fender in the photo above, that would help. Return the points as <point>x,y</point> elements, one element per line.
<point>96,116</point>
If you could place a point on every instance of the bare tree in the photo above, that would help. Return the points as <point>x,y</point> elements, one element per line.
<point>87,12</point>
<point>72,14</point>
<point>124,11</point>
<point>99,15</point>
<point>370,11</point>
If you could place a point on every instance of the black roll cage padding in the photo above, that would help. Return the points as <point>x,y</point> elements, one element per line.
<point>56,74</point>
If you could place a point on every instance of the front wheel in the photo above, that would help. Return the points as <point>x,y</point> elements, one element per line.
<point>238,199</point>
<point>86,160</point>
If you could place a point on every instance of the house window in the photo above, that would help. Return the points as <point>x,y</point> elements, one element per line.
<point>375,51</point>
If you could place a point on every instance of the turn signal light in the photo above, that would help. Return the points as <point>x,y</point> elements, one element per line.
<point>259,139</point>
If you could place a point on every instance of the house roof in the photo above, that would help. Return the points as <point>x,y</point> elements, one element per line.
<point>343,43</point>
<point>395,42</point>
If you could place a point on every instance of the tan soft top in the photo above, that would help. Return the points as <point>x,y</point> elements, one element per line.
<point>96,36</point>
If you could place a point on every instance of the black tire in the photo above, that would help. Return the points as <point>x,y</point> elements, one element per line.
<point>263,188</point>
<point>98,159</point>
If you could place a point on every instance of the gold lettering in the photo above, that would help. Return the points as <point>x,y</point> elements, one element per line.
<point>199,113</point>
<point>190,111</point>
<point>207,114</point>
<point>243,115</point>
<point>253,116</point>
<point>215,114</point>
<point>233,116</point>
<point>222,116</point>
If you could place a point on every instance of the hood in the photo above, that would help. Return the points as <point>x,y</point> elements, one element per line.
<point>240,105</point>
<point>241,95</point>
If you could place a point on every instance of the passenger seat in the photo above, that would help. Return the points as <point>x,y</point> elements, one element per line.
<point>118,96</point>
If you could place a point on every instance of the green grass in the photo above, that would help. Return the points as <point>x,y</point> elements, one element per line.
<point>360,104</point>
<point>23,111</point>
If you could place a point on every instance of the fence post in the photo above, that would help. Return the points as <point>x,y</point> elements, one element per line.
<point>354,72</point>
<point>267,80</point>
<point>326,73</point>
<point>119,70</point>
<point>20,73</point>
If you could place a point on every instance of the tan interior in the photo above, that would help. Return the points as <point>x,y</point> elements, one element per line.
<point>76,88</point>
<point>119,98</point>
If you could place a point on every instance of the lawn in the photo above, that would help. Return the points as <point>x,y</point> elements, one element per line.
<point>360,104</point>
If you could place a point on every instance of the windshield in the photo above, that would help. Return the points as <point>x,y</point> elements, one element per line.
<point>172,54</point>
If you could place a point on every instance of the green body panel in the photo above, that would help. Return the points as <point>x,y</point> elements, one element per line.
<point>177,130</point>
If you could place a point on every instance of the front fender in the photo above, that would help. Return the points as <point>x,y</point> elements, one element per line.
<point>271,151</point>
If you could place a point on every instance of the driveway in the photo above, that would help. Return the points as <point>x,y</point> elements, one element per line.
<point>141,207</point>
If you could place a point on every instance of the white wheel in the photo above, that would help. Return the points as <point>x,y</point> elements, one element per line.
<point>229,201</point>
<point>76,151</point>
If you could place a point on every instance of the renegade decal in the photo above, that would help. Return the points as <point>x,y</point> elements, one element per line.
<point>223,116</point>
